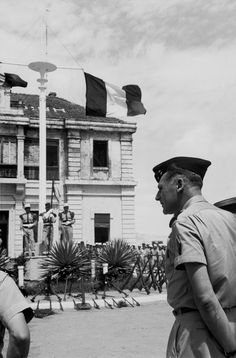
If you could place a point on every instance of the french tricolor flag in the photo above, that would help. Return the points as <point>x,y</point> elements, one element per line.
<point>107,100</point>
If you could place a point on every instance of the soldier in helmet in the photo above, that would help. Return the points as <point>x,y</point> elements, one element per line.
<point>66,218</point>
<point>48,217</point>
<point>28,222</point>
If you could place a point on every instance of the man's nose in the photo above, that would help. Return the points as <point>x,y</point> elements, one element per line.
<point>157,198</point>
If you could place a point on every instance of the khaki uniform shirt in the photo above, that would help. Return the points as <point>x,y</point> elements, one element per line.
<point>204,234</point>
<point>66,216</point>
<point>28,218</point>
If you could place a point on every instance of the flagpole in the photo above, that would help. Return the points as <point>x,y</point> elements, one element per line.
<point>42,68</point>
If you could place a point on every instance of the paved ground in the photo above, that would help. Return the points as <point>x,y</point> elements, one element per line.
<point>139,332</point>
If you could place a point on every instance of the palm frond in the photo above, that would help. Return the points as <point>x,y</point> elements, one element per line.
<point>4,259</point>
<point>65,259</point>
<point>118,254</point>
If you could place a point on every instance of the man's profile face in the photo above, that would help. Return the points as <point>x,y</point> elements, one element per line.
<point>167,195</point>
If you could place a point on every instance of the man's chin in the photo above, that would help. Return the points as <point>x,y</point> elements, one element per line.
<point>166,211</point>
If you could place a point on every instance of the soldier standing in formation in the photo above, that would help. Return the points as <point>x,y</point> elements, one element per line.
<point>48,217</point>
<point>66,218</point>
<point>28,222</point>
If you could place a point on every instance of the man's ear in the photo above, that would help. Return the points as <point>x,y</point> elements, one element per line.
<point>180,185</point>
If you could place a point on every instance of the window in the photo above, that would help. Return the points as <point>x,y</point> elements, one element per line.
<point>100,153</point>
<point>4,219</point>
<point>31,159</point>
<point>31,152</point>
<point>101,227</point>
<point>52,160</point>
<point>7,150</point>
<point>8,157</point>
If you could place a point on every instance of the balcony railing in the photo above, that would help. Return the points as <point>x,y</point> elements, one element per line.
<point>8,171</point>
<point>32,173</point>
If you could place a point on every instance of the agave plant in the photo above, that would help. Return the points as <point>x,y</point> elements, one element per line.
<point>64,260</point>
<point>4,260</point>
<point>119,256</point>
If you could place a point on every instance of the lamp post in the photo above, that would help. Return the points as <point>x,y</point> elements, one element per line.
<point>42,68</point>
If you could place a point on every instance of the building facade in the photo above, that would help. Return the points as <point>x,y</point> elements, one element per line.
<point>89,160</point>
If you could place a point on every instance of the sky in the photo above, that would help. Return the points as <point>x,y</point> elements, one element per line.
<point>180,52</point>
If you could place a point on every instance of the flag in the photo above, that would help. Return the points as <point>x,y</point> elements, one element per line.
<point>107,100</point>
<point>55,192</point>
<point>12,80</point>
<point>2,79</point>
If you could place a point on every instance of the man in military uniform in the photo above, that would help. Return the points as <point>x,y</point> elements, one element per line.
<point>28,222</point>
<point>48,217</point>
<point>200,263</point>
<point>66,218</point>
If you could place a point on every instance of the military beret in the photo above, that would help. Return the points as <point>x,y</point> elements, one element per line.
<point>195,165</point>
<point>227,204</point>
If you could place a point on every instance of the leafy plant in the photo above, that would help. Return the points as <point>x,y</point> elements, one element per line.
<point>119,256</point>
<point>65,260</point>
<point>4,260</point>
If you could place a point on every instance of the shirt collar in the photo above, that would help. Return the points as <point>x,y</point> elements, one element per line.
<point>191,201</point>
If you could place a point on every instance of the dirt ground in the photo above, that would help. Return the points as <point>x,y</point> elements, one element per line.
<point>139,332</point>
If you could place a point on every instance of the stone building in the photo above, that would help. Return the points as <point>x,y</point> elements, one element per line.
<point>89,159</point>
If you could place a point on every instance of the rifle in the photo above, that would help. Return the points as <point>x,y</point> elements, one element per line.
<point>140,276</point>
<point>95,304</point>
<point>107,303</point>
<point>153,281</point>
<point>118,289</point>
<point>130,275</point>
<point>161,277</point>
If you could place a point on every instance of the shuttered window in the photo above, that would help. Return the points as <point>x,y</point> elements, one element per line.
<point>31,152</point>
<point>8,150</point>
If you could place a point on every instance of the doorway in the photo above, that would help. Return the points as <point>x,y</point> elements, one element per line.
<point>102,228</point>
<point>4,218</point>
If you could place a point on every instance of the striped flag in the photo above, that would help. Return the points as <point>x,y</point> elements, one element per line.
<point>2,79</point>
<point>107,100</point>
<point>12,80</point>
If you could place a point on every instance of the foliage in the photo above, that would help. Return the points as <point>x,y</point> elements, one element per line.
<point>119,256</point>
<point>65,260</point>
<point>20,260</point>
<point>12,266</point>
<point>4,260</point>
